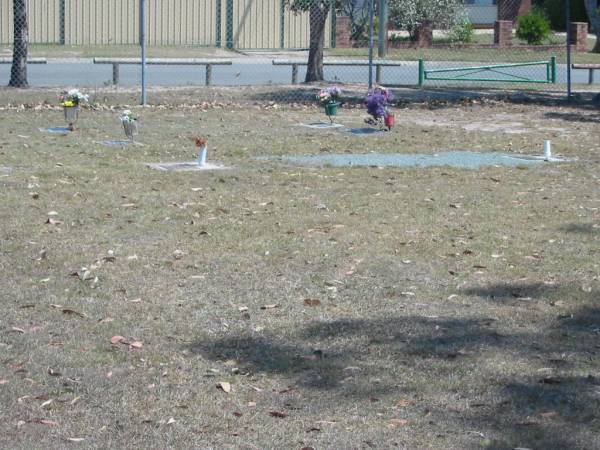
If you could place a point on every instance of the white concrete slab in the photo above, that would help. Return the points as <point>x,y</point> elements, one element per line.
<point>322,125</point>
<point>186,167</point>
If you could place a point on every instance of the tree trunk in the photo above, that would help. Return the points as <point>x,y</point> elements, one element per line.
<point>591,6</point>
<point>18,71</point>
<point>424,35</point>
<point>318,17</point>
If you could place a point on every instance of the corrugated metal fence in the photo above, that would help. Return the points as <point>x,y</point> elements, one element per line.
<point>242,24</point>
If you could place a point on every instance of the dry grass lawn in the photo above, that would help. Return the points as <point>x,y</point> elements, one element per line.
<point>277,306</point>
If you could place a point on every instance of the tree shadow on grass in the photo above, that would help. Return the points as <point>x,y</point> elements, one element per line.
<point>582,228</point>
<point>320,354</point>
<point>506,292</point>
<point>574,117</point>
<point>283,94</point>
<point>586,319</point>
<point>554,413</point>
<point>437,97</point>
<point>553,408</point>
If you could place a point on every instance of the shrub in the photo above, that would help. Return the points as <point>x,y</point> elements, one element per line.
<point>533,27</point>
<point>463,32</point>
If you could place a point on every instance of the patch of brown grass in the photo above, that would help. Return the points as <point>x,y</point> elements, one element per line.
<point>456,308</point>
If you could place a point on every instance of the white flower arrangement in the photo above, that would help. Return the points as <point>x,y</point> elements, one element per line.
<point>127,117</point>
<point>73,97</point>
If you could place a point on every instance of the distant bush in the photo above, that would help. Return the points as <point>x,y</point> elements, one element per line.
<point>533,27</point>
<point>462,32</point>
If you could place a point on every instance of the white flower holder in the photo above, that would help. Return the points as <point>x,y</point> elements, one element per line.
<point>202,156</point>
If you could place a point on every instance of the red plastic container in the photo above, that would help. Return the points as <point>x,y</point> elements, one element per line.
<point>390,121</point>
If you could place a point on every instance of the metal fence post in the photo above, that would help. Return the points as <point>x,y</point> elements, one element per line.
<point>61,22</point>
<point>568,25</point>
<point>371,32</point>
<point>282,24</point>
<point>383,18</point>
<point>333,26</point>
<point>229,24</point>
<point>143,47</point>
<point>218,20</point>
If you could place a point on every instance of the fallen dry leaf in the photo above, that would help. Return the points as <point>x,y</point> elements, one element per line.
<point>224,386</point>
<point>272,306</point>
<point>83,274</point>
<point>312,301</point>
<point>278,414</point>
<point>404,402</point>
<point>73,312</point>
<point>393,423</point>
<point>136,345</point>
<point>75,439</point>
<point>53,373</point>
<point>116,339</point>
<point>52,221</point>
<point>50,423</point>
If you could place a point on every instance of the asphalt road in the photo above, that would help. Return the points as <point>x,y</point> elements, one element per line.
<point>243,71</point>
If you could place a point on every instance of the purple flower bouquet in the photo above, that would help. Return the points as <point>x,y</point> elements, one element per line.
<point>377,102</point>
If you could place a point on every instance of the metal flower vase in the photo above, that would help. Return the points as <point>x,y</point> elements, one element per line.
<point>71,115</point>
<point>331,109</point>
<point>131,130</point>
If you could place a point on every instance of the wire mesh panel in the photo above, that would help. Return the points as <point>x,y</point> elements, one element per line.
<point>101,22</point>
<point>292,44</point>
<point>181,22</point>
<point>43,16</point>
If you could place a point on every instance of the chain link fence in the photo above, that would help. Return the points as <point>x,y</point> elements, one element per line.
<point>284,49</point>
